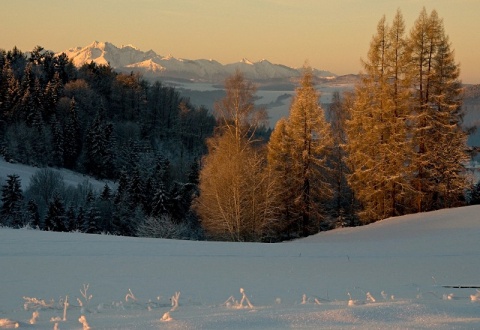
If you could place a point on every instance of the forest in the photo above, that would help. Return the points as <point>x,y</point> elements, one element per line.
<point>393,146</point>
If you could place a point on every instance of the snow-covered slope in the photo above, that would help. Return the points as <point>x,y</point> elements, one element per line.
<point>387,275</point>
<point>26,172</point>
<point>151,65</point>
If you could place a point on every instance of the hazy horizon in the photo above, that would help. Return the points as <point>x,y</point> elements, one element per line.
<point>331,36</point>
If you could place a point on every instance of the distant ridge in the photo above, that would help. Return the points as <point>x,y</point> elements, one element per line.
<point>128,58</point>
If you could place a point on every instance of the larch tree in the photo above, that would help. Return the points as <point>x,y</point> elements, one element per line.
<point>377,137</point>
<point>232,203</point>
<point>406,147</point>
<point>280,165</point>
<point>342,206</point>
<point>439,143</point>
<point>298,154</point>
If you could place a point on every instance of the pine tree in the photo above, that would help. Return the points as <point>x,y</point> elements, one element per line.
<point>72,137</point>
<point>71,219</point>
<point>57,142</point>
<point>12,198</point>
<point>55,217</point>
<point>9,92</point>
<point>160,202</point>
<point>33,217</point>
<point>136,190</point>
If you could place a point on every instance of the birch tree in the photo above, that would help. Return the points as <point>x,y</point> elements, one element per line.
<point>234,200</point>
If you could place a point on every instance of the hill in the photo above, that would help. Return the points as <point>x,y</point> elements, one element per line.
<point>384,275</point>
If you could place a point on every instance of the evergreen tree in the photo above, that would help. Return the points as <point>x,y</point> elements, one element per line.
<point>99,147</point>
<point>9,93</point>
<point>72,137</point>
<point>160,202</point>
<point>12,198</point>
<point>55,217</point>
<point>33,217</point>
<point>106,193</point>
<point>136,190</point>
<point>71,219</point>
<point>475,194</point>
<point>81,219</point>
<point>92,221</point>
<point>57,142</point>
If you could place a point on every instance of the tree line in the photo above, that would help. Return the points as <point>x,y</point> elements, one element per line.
<point>393,146</point>
<point>119,127</point>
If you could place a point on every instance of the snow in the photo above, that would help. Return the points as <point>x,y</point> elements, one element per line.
<point>384,275</point>
<point>70,178</point>
<point>124,58</point>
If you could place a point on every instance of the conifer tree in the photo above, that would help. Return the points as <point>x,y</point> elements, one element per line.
<point>71,219</point>
<point>439,142</point>
<point>305,157</point>
<point>343,206</point>
<point>33,217</point>
<point>12,198</point>
<point>55,217</point>
<point>377,136</point>
<point>72,137</point>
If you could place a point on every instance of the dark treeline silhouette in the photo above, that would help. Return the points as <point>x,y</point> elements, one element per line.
<point>143,136</point>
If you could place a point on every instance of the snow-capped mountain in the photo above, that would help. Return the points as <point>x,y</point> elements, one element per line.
<point>151,65</point>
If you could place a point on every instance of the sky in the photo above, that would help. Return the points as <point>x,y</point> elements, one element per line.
<point>330,34</point>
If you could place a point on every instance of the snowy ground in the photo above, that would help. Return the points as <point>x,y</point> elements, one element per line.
<point>385,275</point>
<point>26,172</point>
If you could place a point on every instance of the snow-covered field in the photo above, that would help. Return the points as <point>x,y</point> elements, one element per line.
<point>385,275</point>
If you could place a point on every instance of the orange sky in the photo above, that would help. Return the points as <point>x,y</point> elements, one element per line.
<point>330,34</point>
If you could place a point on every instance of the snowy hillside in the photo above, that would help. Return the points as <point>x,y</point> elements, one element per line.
<point>151,65</point>
<point>385,275</point>
<point>26,172</point>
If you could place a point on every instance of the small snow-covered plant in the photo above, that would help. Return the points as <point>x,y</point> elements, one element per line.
<point>231,302</point>
<point>34,318</point>
<point>130,295</point>
<point>8,324</point>
<point>245,299</point>
<point>166,317</point>
<point>304,299</point>
<point>87,297</point>
<point>175,298</point>
<point>65,306</point>
<point>370,298</point>
<point>83,321</point>
<point>475,297</point>
<point>352,302</point>
<point>35,303</point>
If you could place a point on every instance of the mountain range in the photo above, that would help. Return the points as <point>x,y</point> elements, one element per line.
<point>152,66</point>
